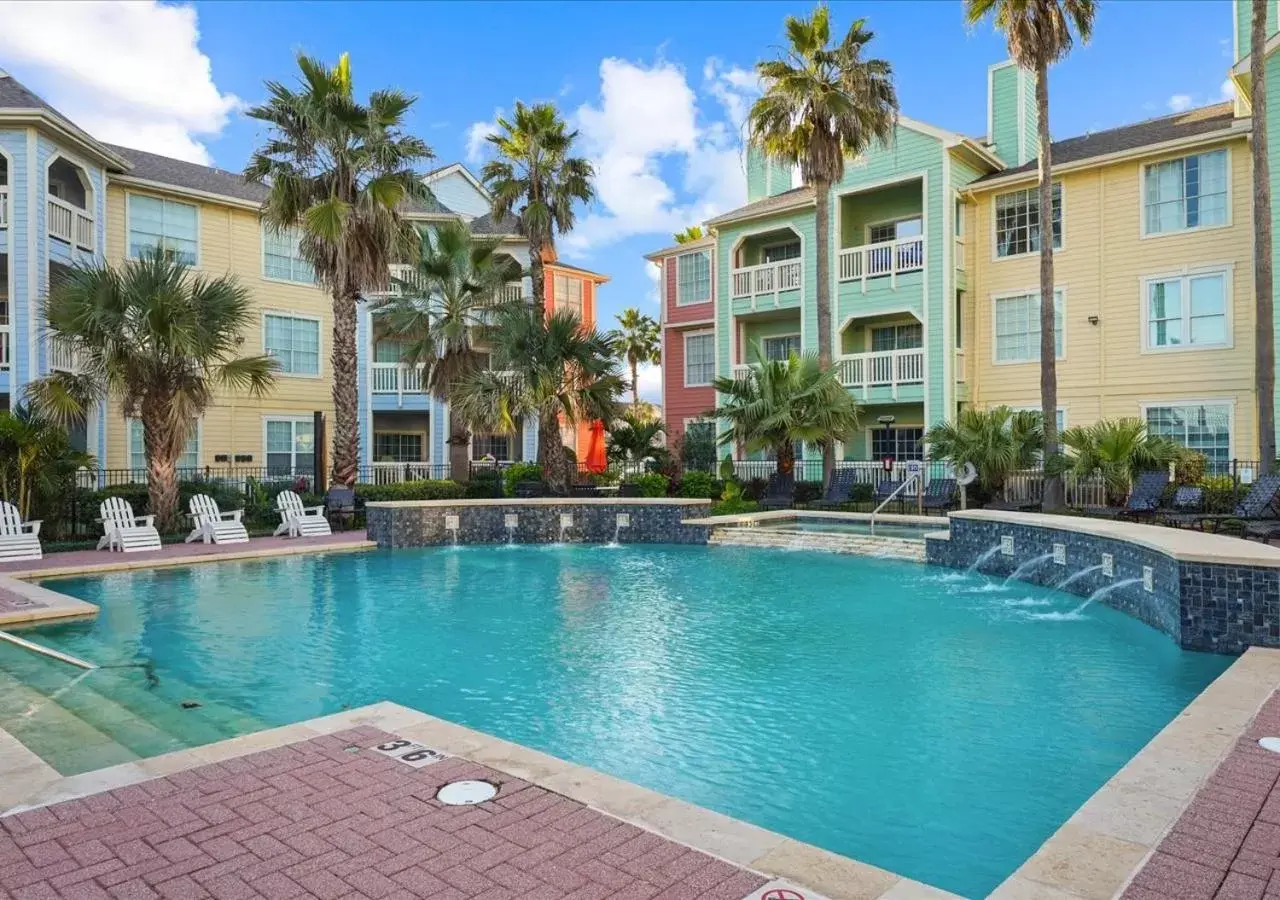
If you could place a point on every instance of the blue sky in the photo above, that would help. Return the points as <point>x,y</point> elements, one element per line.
<point>657,89</point>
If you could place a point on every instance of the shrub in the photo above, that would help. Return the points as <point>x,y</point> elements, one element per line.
<point>652,484</point>
<point>699,485</point>
<point>698,450</point>
<point>726,467</point>
<point>808,491</point>
<point>410,490</point>
<point>861,492</point>
<point>483,485</point>
<point>518,472</point>
<point>1219,493</point>
<point>735,507</point>
<point>754,488</point>
<point>1189,468</point>
<point>609,476</point>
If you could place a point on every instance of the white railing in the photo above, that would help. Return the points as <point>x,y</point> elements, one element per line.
<point>742,370</point>
<point>4,206</point>
<point>891,258</point>
<point>888,368</point>
<point>396,472</point>
<point>513,292</point>
<point>4,347</point>
<point>1028,487</point>
<point>62,358</point>
<point>766,280</point>
<point>959,253</point>
<point>962,372</point>
<point>395,378</point>
<point>70,223</point>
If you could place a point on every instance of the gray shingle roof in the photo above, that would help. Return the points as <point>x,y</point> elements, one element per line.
<point>487,224</point>
<point>760,207</point>
<point>1130,137</point>
<point>14,95</point>
<point>191,176</point>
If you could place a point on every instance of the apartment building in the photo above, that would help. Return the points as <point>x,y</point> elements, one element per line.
<point>935,300</point>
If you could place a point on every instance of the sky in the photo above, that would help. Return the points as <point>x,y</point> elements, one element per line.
<point>658,91</point>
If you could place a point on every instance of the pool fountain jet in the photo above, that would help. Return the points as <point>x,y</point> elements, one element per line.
<point>1103,591</point>
<point>1026,566</point>
<point>566,522</point>
<point>623,521</point>
<point>990,552</point>
<point>1076,576</point>
<point>451,526</point>
<point>512,522</point>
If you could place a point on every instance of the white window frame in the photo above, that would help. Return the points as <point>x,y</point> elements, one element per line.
<point>866,235</point>
<point>710,278</point>
<point>702,420</point>
<point>1034,292</point>
<point>871,441</point>
<point>423,449</point>
<point>1185,274</point>
<point>128,222</point>
<point>128,442</point>
<point>293,452</point>
<point>787,243</point>
<point>685,374</point>
<point>995,244</point>
<point>513,445</point>
<point>793,335</point>
<point>1143,233</point>
<point>291,314</point>
<point>263,233</point>
<point>1228,402</point>
<point>560,304</point>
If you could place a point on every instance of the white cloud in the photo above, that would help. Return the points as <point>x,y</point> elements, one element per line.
<point>654,274</point>
<point>734,87</point>
<point>477,134</point>
<point>1227,90</point>
<point>129,73</point>
<point>1180,102</point>
<point>649,377</point>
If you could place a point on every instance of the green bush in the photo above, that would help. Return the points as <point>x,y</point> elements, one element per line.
<point>699,485</point>
<point>861,493</point>
<point>411,490</point>
<point>735,507</point>
<point>698,450</point>
<point>808,491</point>
<point>518,472</point>
<point>652,484</point>
<point>1189,469</point>
<point>607,478</point>
<point>1219,493</point>
<point>483,486</point>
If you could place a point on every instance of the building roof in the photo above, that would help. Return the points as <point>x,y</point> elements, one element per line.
<point>15,95</point>
<point>559,264</point>
<point>487,224</point>
<point>1192,122</point>
<point>707,240</point>
<point>794,197</point>
<point>192,176</point>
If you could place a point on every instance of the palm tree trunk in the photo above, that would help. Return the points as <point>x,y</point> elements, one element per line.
<point>346,400</point>
<point>786,455</point>
<point>551,455</point>
<point>459,452</point>
<point>162,453</point>
<point>1265,347</point>
<point>822,233</point>
<point>1052,498</point>
<point>635,386</point>
<point>537,274</point>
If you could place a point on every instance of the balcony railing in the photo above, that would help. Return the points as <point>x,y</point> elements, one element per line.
<point>959,253</point>
<point>4,347</point>
<point>766,280</point>
<point>890,258</point>
<point>887,368</point>
<point>4,206</point>
<point>70,223</point>
<point>62,358</point>
<point>396,472</point>
<point>395,378</point>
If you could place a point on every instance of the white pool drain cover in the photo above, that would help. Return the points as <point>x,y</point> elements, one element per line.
<point>1270,743</point>
<point>466,793</point>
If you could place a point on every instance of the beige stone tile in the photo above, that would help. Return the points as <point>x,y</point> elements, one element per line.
<point>519,761</point>
<point>1083,862</point>
<point>615,796</point>
<point>252,743</point>
<point>1130,813</point>
<point>906,889</point>
<point>1175,768</point>
<point>446,736</point>
<point>177,761</point>
<point>838,877</point>
<point>1019,888</point>
<point>738,842</point>
<point>18,786</point>
<point>87,783</point>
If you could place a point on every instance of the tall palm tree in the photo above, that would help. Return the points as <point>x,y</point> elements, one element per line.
<point>1264,365</point>
<point>342,173</point>
<point>1040,33</point>
<point>780,402</point>
<point>632,439</point>
<point>639,341</point>
<point>996,442</point>
<point>545,366</point>
<point>443,313</point>
<point>536,176</point>
<point>161,339</point>
<point>692,233</point>
<point>823,103</point>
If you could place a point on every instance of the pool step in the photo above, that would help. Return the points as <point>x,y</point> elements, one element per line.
<point>857,544</point>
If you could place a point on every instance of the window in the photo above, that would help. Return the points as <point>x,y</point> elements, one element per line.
<point>295,342</point>
<point>390,350</point>
<point>890,231</point>
<point>1061,417</point>
<point>693,278</point>
<point>779,252</point>
<point>1190,311</point>
<point>700,431</point>
<point>900,443</point>
<point>959,320</point>
<point>897,337</point>
<point>1185,193</point>
<point>569,294</point>
<point>166,224</point>
<point>282,259</point>
<point>496,445</point>
<point>390,446</point>
<point>1018,221</point>
<point>1205,428</point>
<point>1017,327</point>
<point>699,359</point>
<point>291,446</point>
<point>190,458</point>
<point>781,348</point>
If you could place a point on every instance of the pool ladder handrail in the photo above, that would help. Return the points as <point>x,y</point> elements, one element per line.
<point>910,481</point>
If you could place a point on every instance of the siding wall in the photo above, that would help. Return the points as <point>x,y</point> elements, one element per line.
<point>680,402</point>
<point>1105,372</point>
<point>460,195</point>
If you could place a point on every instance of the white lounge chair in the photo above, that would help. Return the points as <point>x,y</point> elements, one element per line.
<point>212,525</point>
<point>18,539</point>
<point>298,520</point>
<point>122,530</point>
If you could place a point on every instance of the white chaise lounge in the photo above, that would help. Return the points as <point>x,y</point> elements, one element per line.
<point>297,520</point>
<point>124,531</point>
<point>212,525</point>
<point>18,539</point>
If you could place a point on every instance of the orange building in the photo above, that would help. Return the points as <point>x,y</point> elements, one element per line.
<point>574,288</point>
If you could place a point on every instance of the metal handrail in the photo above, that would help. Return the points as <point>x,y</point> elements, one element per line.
<point>909,481</point>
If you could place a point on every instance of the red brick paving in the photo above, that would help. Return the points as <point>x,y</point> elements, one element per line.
<point>313,820</point>
<point>1226,845</point>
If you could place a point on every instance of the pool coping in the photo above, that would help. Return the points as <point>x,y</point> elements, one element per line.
<point>537,501</point>
<point>775,515</point>
<point>768,853</point>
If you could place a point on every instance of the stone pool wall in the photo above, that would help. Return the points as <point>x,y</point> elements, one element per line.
<point>424,523</point>
<point>1207,592</point>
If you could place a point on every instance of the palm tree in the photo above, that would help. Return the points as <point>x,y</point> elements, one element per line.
<point>535,177</point>
<point>633,439</point>
<point>639,342</point>
<point>1264,365</point>
<point>36,458</point>
<point>443,314</point>
<point>780,402</point>
<point>822,104</point>
<point>160,338</point>
<point>996,442</point>
<point>545,366</point>
<point>1040,33</point>
<point>1117,451</point>
<point>692,233</point>
<point>342,173</point>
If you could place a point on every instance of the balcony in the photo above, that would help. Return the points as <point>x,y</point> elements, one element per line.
<point>62,357</point>
<point>405,282</point>
<point>5,352</point>
<point>890,258</point>
<point>396,472</point>
<point>765,282</point>
<point>4,206</point>
<point>70,224</point>
<point>890,369</point>
<point>396,379</point>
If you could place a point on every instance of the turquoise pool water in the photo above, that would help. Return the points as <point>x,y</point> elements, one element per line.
<point>920,720</point>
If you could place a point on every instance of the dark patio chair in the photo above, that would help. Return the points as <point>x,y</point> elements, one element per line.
<point>1257,509</point>
<point>628,489</point>
<point>780,491</point>
<point>1185,508</point>
<point>840,490</point>
<point>940,494</point>
<point>527,489</point>
<point>584,490</point>
<point>1144,498</point>
<point>884,490</point>
<point>340,506</point>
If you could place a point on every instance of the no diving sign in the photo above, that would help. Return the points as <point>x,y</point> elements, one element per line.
<point>783,890</point>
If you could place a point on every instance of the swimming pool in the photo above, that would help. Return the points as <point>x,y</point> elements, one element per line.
<point>843,526</point>
<point>921,720</point>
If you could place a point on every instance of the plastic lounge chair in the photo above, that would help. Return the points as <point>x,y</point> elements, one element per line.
<point>780,491</point>
<point>939,494</point>
<point>297,520</point>
<point>1144,498</point>
<point>840,490</point>
<point>212,525</point>
<point>885,490</point>
<point>18,539</point>
<point>1186,507</point>
<point>340,504</point>
<point>1257,505</point>
<point>584,490</point>
<point>124,531</point>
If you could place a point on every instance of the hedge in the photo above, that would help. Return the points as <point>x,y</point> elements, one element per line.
<point>411,490</point>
